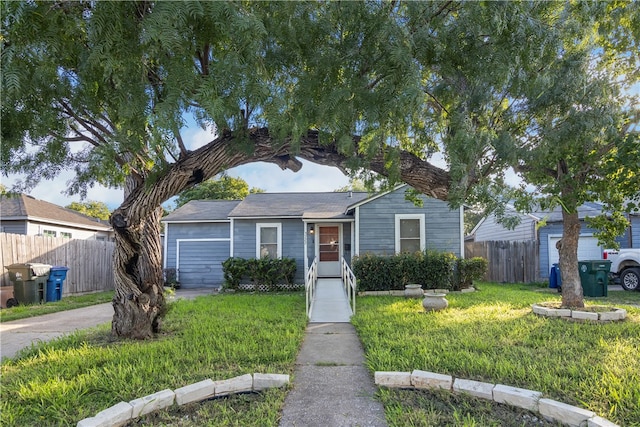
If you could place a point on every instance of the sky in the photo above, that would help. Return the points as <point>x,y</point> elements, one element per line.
<point>269,177</point>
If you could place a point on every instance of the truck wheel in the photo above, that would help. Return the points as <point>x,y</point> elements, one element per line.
<point>630,279</point>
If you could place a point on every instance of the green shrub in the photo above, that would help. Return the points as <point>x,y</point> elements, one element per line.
<point>234,269</point>
<point>260,271</point>
<point>468,270</point>
<point>437,269</point>
<point>431,269</point>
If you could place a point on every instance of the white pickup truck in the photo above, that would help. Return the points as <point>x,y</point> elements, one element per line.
<point>625,264</point>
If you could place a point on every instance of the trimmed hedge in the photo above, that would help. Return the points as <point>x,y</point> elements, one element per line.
<point>262,271</point>
<point>431,269</point>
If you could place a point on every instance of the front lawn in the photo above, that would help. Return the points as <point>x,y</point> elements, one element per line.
<point>215,337</point>
<point>491,335</point>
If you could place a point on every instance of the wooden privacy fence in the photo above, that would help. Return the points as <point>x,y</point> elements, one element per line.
<point>89,261</point>
<point>509,262</point>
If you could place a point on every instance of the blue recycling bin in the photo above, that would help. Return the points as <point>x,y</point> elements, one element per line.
<point>55,283</point>
<point>555,278</point>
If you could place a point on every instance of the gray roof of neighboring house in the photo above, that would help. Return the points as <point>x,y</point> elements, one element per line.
<point>589,209</point>
<point>25,207</point>
<point>202,210</point>
<point>332,205</point>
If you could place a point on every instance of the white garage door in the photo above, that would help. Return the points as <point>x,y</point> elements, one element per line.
<point>200,263</point>
<point>588,249</point>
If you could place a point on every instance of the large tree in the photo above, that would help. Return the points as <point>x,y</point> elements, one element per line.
<point>106,88</point>
<point>224,187</point>
<point>91,208</point>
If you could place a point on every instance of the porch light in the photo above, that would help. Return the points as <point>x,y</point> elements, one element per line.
<point>311,229</point>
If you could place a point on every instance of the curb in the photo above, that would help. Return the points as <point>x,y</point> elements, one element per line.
<point>530,400</point>
<point>122,412</point>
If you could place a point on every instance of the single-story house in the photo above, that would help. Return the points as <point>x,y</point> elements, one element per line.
<point>200,235</point>
<point>24,214</point>
<point>545,227</point>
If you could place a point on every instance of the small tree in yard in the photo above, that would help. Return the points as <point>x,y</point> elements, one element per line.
<point>105,88</point>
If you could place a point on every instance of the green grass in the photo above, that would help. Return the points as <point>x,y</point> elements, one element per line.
<point>492,335</point>
<point>66,303</point>
<point>215,337</point>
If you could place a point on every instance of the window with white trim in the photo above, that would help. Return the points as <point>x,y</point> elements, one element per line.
<point>410,233</point>
<point>49,233</point>
<point>65,235</point>
<point>269,240</point>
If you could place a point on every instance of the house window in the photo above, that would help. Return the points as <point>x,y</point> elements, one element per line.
<point>65,235</point>
<point>410,233</point>
<point>269,240</point>
<point>49,233</point>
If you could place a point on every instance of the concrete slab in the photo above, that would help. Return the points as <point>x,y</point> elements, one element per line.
<point>331,344</point>
<point>332,396</point>
<point>331,385</point>
<point>19,334</point>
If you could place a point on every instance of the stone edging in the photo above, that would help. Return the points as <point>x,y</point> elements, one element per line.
<point>122,412</point>
<point>567,313</point>
<point>522,398</point>
<point>400,293</point>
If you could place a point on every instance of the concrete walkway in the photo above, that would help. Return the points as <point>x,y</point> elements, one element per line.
<point>330,304</point>
<point>332,386</point>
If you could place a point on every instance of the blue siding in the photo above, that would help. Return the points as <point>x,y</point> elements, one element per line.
<point>201,263</point>
<point>244,242</point>
<point>635,231</point>
<point>377,224</point>
<point>199,260</point>
<point>14,227</point>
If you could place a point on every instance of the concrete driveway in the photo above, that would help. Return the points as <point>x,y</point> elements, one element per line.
<point>19,334</point>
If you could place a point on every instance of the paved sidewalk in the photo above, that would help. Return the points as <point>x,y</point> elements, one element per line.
<point>19,334</point>
<point>332,387</point>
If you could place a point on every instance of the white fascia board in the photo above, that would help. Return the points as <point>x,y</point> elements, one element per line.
<point>377,196</point>
<point>197,221</point>
<point>97,227</point>
<point>266,218</point>
<point>327,220</point>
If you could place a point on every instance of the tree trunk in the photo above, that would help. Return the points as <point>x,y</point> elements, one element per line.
<point>138,300</point>
<point>572,295</point>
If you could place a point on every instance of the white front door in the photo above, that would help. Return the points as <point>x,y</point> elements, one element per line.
<point>329,250</point>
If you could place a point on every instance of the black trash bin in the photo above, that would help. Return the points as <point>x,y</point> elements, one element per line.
<point>55,282</point>
<point>29,282</point>
<point>594,277</point>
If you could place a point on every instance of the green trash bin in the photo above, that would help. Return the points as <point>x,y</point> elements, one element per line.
<point>594,277</point>
<point>29,282</point>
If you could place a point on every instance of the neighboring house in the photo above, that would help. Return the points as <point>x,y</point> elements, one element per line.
<point>200,235</point>
<point>23,214</point>
<point>545,227</point>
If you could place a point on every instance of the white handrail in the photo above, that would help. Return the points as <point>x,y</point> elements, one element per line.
<point>349,281</point>
<point>310,285</point>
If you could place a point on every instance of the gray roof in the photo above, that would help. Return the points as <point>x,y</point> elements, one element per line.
<point>588,209</point>
<point>25,207</point>
<point>202,210</point>
<point>332,205</point>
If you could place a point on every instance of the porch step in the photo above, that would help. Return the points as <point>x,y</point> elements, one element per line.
<point>330,304</point>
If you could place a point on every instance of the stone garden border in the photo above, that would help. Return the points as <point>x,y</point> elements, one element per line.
<point>122,412</point>
<point>551,410</point>
<point>397,293</point>
<point>615,314</point>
